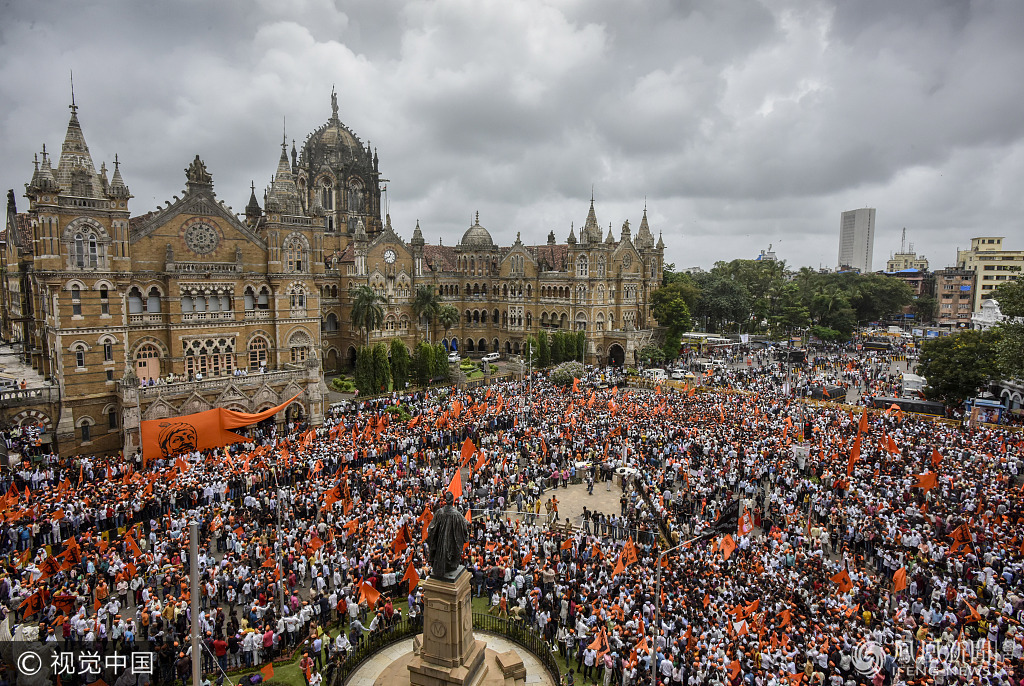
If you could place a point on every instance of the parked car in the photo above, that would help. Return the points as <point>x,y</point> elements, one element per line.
<point>492,357</point>
<point>454,357</point>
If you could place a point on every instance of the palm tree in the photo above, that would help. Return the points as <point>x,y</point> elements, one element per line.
<point>426,304</point>
<point>447,316</point>
<point>367,309</point>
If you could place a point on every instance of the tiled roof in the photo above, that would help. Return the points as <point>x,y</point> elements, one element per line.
<point>24,228</point>
<point>439,258</point>
<point>554,255</point>
<point>135,222</point>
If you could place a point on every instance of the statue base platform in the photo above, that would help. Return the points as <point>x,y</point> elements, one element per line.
<point>447,653</point>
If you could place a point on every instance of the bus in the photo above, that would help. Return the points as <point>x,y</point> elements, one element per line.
<point>911,405</point>
<point>913,386</point>
<point>705,343</point>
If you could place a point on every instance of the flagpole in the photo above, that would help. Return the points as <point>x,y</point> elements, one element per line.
<point>657,608</point>
<point>193,554</point>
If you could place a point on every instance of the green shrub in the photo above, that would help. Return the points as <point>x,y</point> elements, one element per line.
<point>564,373</point>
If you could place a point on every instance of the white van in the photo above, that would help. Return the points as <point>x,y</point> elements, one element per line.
<point>491,357</point>
<point>655,374</point>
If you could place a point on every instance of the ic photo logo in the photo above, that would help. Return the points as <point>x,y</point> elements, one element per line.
<point>868,658</point>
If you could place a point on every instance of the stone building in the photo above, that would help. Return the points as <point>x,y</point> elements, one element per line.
<point>191,306</point>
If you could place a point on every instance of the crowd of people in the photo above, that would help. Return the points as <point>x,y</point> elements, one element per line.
<point>758,540</point>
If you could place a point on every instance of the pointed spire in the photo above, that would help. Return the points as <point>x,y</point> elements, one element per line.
<point>609,239</point>
<point>572,234</point>
<point>76,173</point>
<point>417,235</point>
<point>661,243</point>
<point>253,210</point>
<point>118,189</point>
<point>591,232</point>
<point>73,107</point>
<point>644,237</point>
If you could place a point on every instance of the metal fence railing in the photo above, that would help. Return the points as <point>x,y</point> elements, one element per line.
<point>370,646</point>
<point>339,672</point>
<point>518,632</point>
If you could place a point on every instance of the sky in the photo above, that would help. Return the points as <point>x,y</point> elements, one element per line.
<point>738,124</point>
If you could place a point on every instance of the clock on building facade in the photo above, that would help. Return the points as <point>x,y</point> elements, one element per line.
<point>390,256</point>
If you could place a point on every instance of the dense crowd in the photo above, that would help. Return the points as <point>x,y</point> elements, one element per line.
<point>801,536</point>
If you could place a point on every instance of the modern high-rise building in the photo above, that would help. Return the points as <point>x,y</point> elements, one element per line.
<point>857,239</point>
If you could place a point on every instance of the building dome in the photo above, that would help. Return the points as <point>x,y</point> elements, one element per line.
<point>334,145</point>
<point>477,236</point>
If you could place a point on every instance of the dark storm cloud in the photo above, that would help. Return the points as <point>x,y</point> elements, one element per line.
<point>740,123</point>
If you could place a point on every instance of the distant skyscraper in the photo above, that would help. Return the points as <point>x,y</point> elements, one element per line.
<point>857,239</point>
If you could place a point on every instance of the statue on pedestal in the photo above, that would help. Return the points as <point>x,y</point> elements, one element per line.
<point>448,532</point>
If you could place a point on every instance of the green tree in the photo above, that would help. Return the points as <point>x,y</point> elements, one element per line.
<point>673,313</point>
<point>543,350</point>
<point>557,347</point>
<point>425,305</point>
<point>367,309</point>
<point>381,368</point>
<point>722,301</point>
<point>399,363</point>
<point>581,345</point>
<point>651,354</point>
<point>673,341</point>
<point>440,369</point>
<point>829,335</point>
<point>1010,350</point>
<point>423,362</point>
<point>924,307</point>
<point>363,375</point>
<point>447,317</point>
<point>957,366</point>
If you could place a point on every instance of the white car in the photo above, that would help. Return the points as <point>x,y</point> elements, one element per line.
<point>492,357</point>
<point>454,357</point>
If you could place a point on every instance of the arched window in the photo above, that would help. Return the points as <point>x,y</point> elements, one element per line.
<point>104,300</point>
<point>85,250</point>
<point>297,298</point>
<point>108,350</point>
<point>327,195</point>
<point>85,426</point>
<point>296,254</point>
<point>331,323</point>
<point>79,350</point>
<point>112,418</point>
<point>529,320</point>
<point>582,268</point>
<point>257,353</point>
<point>600,266</point>
<point>299,346</point>
<point>263,299</point>
<point>249,298</point>
<point>147,362</point>
<point>76,300</point>
<point>355,196</point>
<point>153,300</point>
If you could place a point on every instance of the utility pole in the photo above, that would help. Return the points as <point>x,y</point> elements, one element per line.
<point>193,555</point>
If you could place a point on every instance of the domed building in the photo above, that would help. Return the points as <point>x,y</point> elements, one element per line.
<point>190,306</point>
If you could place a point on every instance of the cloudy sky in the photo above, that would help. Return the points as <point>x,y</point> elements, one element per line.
<point>741,124</point>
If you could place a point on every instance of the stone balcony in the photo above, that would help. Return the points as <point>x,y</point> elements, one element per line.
<point>219,383</point>
<point>17,397</point>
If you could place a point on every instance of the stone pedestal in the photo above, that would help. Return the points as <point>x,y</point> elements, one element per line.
<point>448,654</point>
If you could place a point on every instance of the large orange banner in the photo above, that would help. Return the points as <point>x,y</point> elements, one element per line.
<point>199,431</point>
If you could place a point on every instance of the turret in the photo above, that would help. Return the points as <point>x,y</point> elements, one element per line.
<point>253,212</point>
<point>118,190</point>
<point>572,235</point>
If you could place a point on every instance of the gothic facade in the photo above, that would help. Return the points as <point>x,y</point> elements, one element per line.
<point>125,318</point>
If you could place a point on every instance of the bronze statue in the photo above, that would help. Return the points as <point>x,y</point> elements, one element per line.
<point>448,532</point>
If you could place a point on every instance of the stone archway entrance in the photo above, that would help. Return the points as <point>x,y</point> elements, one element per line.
<point>616,355</point>
<point>351,357</point>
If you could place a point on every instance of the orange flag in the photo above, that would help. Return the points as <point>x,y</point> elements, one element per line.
<point>926,481</point>
<point>455,487</point>
<point>370,593</point>
<point>727,546</point>
<point>842,579</point>
<point>412,576</point>
<point>268,671</point>
<point>468,448</point>
<point>936,458</point>
<point>862,427</point>
<point>899,579</point>
<point>575,385</point>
